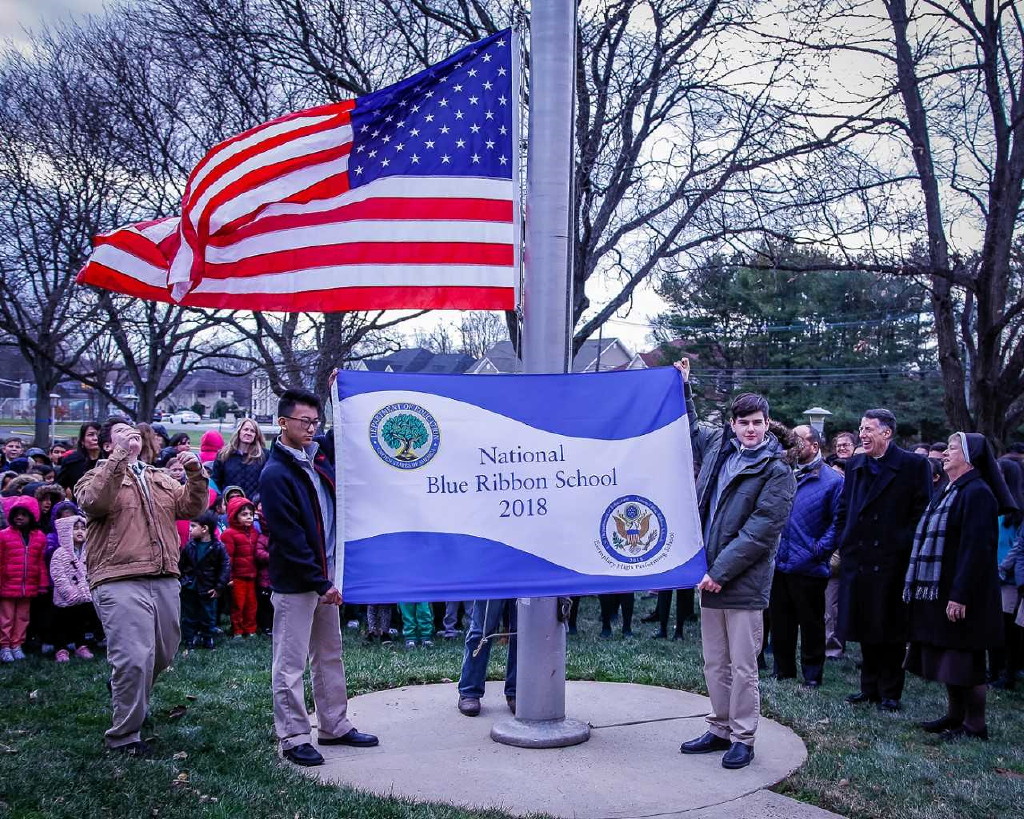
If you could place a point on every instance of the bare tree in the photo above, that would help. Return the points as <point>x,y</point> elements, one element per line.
<point>943,98</point>
<point>61,178</point>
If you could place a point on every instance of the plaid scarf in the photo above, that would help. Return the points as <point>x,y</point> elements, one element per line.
<point>922,580</point>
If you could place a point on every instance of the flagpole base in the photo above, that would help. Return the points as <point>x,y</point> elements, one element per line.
<point>543,733</point>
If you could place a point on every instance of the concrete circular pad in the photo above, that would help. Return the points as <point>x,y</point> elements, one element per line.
<point>630,767</point>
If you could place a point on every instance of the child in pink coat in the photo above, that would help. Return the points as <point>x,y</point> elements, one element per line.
<point>75,615</point>
<point>23,574</point>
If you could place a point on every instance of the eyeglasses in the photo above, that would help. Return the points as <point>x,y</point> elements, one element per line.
<point>308,423</point>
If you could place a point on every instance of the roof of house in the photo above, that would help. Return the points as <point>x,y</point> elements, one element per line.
<point>419,360</point>
<point>502,356</point>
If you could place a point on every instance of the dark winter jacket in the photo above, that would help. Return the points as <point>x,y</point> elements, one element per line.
<point>297,546</point>
<point>877,519</point>
<point>211,572</point>
<point>810,535</point>
<point>73,467</point>
<point>742,536</point>
<point>969,575</point>
<point>234,471</point>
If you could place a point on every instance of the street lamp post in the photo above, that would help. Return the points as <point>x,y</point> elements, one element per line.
<point>54,398</point>
<point>816,418</point>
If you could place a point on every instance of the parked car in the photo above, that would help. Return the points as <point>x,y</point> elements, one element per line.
<point>181,417</point>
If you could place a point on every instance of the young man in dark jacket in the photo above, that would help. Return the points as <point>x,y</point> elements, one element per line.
<point>297,490</point>
<point>802,563</point>
<point>745,491</point>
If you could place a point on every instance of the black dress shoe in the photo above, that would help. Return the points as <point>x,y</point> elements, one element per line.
<point>706,744</point>
<point>305,755</point>
<point>890,705</point>
<point>138,749</point>
<point>738,756</point>
<point>859,697</point>
<point>963,732</point>
<point>353,738</point>
<point>937,726</point>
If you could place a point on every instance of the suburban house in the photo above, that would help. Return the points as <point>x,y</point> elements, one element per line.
<point>207,388</point>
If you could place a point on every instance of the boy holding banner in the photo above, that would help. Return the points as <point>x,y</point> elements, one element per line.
<point>745,491</point>
<point>297,492</point>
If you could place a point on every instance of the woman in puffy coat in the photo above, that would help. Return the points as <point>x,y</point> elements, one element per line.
<point>23,574</point>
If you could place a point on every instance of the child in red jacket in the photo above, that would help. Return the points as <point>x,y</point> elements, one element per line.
<point>240,539</point>
<point>23,574</point>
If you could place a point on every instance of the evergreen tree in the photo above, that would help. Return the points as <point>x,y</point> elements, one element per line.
<point>844,340</point>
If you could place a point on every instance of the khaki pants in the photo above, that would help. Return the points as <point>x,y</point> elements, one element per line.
<point>305,628</point>
<point>731,640</point>
<point>141,618</point>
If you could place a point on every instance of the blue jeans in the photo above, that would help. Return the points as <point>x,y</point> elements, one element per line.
<point>474,669</point>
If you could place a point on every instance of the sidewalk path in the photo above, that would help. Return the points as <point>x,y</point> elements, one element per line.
<point>630,767</point>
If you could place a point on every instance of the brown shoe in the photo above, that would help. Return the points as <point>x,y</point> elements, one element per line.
<point>469,706</point>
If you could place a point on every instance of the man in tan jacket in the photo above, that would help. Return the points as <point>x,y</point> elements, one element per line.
<point>131,557</point>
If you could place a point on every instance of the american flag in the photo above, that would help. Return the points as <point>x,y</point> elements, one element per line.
<point>402,199</point>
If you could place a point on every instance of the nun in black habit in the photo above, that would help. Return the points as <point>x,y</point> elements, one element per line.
<point>952,585</point>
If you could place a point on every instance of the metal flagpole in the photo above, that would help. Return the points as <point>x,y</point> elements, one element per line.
<point>547,294</point>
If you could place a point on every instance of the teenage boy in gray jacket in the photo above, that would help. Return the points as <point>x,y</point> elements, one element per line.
<point>745,492</point>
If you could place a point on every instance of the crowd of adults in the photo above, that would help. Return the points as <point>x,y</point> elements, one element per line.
<point>135,542</point>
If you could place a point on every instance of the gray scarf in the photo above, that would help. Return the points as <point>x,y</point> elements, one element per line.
<point>922,580</point>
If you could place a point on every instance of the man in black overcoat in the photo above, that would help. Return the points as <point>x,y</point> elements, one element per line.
<point>884,495</point>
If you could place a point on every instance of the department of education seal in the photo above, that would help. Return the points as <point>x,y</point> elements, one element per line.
<point>404,435</point>
<point>633,530</point>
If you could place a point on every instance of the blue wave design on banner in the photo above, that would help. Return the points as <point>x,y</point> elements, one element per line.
<point>431,566</point>
<point>632,402</point>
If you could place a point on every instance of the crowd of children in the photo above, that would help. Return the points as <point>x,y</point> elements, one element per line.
<point>44,589</point>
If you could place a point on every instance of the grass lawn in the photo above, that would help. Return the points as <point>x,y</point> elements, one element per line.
<point>218,759</point>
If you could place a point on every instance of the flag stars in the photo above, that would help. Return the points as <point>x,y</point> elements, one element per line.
<point>488,85</point>
<point>490,144</point>
<point>503,159</point>
<point>399,147</point>
<point>415,109</point>
<point>444,129</point>
<point>458,115</point>
<point>486,58</point>
<point>460,143</point>
<point>474,128</point>
<point>489,115</point>
<point>501,71</point>
<point>474,100</point>
<point>429,143</point>
<point>503,130</point>
<point>446,159</point>
<point>414,132</point>
<point>415,159</point>
<point>385,162</point>
<point>457,87</point>
<point>372,153</point>
<point>472,72</point>
<point>444,102</point>
<point>429,118</point>
<point>476,159</point>
<point>359,170</point>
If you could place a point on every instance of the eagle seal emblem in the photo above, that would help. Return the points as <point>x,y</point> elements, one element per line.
<point>404,435</point>
<point>633,530</point>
